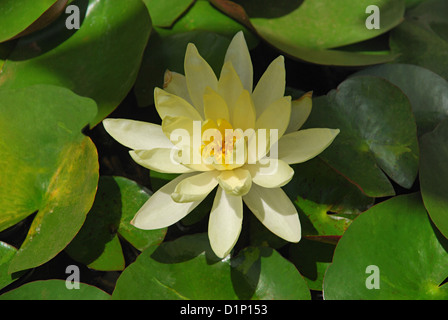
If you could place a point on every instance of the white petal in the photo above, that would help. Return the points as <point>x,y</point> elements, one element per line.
<point>271,174</point>
<point>274,209</point>
<point>196,187</point>
<point>161,210</point>
<point>300,110</point>
<point>276,116</point>
<point>199,75</point>
<point>238,54</point>
<point>176,84</point>
<point>244,115</point>
<point>230,86</point>
<point>160,159</point>
<point>303,145</point>
<point>271,85</point>
<point>236,182</point>
<point>168,104</point>
<point>225,222</point>
<point>137,134</point>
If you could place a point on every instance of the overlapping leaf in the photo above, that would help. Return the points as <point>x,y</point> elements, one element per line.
<point>313,30</point>
<point>48,166</point>
<point>422,39</point>
<point>378,133</point>
<point>186,268</point>
<point>90,61</point>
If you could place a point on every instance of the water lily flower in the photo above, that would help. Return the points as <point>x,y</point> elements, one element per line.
<point>198,102</point>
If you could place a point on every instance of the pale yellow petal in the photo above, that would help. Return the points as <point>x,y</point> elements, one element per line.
<point>137,134</point>
<point>300,110</point>
<point>168,104</point>
<point>225,222</point>
<point>238,54</point>
<point>271,173</point>
<point>271,85</point>
<point>275,210</point>
<point>303,145</point>
<point>161,210</point>
<point>276,116</point>
<point>160,159</point>
<point>196,187</point>
<point>215,107</point>
<point>176,84</point>
<point>199,75</point>
<point>244,115</point>
<point>236,182</point>
<point>229,86</point>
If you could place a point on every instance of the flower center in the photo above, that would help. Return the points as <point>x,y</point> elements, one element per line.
<point>219,145</point>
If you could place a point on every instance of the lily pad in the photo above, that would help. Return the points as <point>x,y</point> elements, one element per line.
<point>427,91</point>
<point>314,31</point>
<point>390,252</point>
<point>186,268</point>
<point>422,39</point>
<point>434,175</point>
<point>7,253</point>
<point>90,61</point>
<point>378,134</point>
<point>54,290</point>
<point>97,244</point>
<point>17,15</point>
<point>48,165</point>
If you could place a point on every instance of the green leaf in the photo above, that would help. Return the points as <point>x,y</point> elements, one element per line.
<point>422,39</point>
<point>210,30</point>
<point>378,133</point>
<point>314,31</point>
<point>397,237</point>
<point>100,60</point>
<point>48,166</point>
<point>17,15</point>
<point>97,244</point>
<point>54,290</point>
<point>325,200</point>
<point>186,268</point>
<point>427,91</point>
<point>165,13</point>
<point>434,175</point>
<point>7,253</point>
<point>320,24</point>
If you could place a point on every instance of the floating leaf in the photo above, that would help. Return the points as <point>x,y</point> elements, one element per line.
<point>427,91</point>
<point>90,61</point>
<point>397,237</point>
<point>7,253</point>
<point>434,175</point>
<point>422,39</point>
<point>18,15</point>
<point>378,133</point>
<point>48,166</point>
<point>313,30</point>
<point>186,268</point>
<point>54,290</point>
